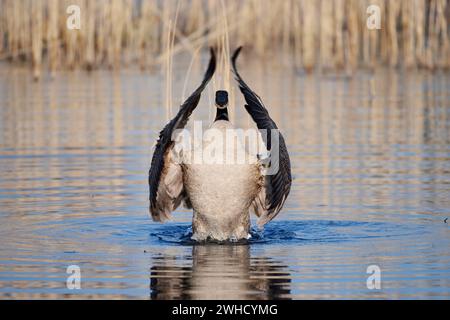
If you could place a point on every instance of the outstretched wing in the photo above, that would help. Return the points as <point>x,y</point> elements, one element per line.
<point>165,176</point>
<point>276,187</point>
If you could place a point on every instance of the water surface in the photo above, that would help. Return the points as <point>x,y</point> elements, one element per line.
<point>370,158</point>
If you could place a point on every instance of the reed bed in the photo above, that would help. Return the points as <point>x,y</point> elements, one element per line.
<point>309,34</point>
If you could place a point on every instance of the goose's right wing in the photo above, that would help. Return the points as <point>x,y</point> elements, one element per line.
<point>276,187</point>
<point>165,176</point>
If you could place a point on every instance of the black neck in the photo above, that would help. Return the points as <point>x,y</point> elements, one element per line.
<point>222,114</point>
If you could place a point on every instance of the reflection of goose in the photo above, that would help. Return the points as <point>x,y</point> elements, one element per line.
<point>220,194</point>
<point>219,272</point>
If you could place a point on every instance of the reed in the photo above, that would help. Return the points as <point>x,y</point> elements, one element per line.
<point>315,34</point>
<point>37,38</point>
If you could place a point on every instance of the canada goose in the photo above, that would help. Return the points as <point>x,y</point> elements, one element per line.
<point>220,195</point>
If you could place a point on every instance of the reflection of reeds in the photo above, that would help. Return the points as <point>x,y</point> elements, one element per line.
<point>329,34</point>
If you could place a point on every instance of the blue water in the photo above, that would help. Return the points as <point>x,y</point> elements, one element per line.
<point>371,164</point>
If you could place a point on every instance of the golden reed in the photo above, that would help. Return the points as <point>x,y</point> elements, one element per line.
<point>313,34</point>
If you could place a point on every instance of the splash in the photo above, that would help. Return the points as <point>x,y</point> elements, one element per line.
<point>290,232</point>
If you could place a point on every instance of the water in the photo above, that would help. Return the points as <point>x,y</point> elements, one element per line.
<point>371,165</point>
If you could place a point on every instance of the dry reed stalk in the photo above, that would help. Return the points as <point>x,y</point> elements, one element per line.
<point>126,44</point>
<point>188,73</point>
<point>118,18</point>
<point>88,33</point>
<point>408,20</point>
<point>244,11</point>
<point>101,33</point>
<point>353,29</point>
<point>36,39</point>
<point>212,9</point>
<point>72,48</point>
<point>286,31</point>
<point>147,33</point>
<point>432,35</point>
<point>329,33</point>
<point>2,26</point>
<point>53,47</point>
<point>170,37</point>
<point>168,74</point>
<point>183,41</point>
<point>196,17</point>
<point>197,39</point>
<point>309,17</point>
<point>393,52</point>
<point>338,19</point>
<point>20,35</point>
<point>326,35</point>
<point>365,38</point>
<point>298,34</point>
<point>108,33</point>
<point>165,16</point>
<point>441,26</point>
<point>419,31</point>
<point>12,25</point>
<point>171,44</point>
<point>374,37</point>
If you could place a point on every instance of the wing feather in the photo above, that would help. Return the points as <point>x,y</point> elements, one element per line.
<point>272,196</point>
<point>165,177</point>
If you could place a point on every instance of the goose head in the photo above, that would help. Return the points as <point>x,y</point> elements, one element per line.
<point>221,105</point>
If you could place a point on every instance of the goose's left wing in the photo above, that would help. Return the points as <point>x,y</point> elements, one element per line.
<point>165,176</point>
<point>277,185</point>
